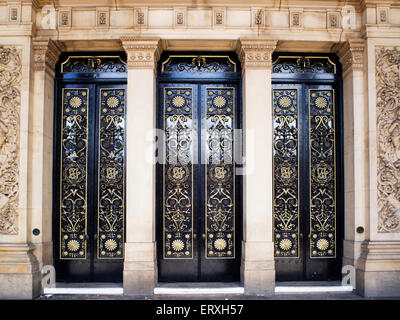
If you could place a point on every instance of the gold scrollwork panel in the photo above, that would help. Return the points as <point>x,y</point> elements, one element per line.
<point>178,173</point>
<point>220,173</point>
<point>111,174</point>
<point>322,173</point>
<point>73,173</point>
<point>286,172</point>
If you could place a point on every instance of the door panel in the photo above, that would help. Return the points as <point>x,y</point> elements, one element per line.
<point>178,114</point>
<point>73,247</point>
<point>198,218</point>
<point>89,235</point>
<point>218,261</point>
<point>323,261</point>
<point>287,159</point>
<point>305,182</point>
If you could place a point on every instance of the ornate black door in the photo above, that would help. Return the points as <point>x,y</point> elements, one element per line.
<point>198,190</point>
<point>89,169</point>
<point>307,160</point>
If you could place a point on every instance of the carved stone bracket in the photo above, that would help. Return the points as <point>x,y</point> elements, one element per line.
<point>351,54</point>
<point>254,53</point>
<point>45,54</point>
<point>10,105</point>
<point>142,53</point>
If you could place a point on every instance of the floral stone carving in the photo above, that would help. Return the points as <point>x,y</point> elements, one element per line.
<point>388,137</point>
<point>10,102</point>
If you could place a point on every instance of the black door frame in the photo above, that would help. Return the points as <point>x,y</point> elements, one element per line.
<point>95,80</point>
<point>198,79</point>
<point>310,79</point>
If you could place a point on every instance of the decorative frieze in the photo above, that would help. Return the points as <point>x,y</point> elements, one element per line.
<point>14,14</point>
<point>65,18</point>
<point>255,53</point>
<point>296,19</point>
<point>387,71</point>
<point>142,53</point>
<point>45,54</point>
<point>383,15</point>
<point>10,105</point>
<point>257,17</point>
<point>351,54</point>
<point>333,20</point>
<point>141,17</point>
<point>219,17</point>
<point>102,17</point>
<point>180,17</point>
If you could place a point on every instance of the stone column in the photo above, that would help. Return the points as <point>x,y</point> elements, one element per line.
<point>378,269</point>
<point>40,165</point>
<point>19,268</point>
<point>140,265</point>
<point>356,163</point>
<point>258,265</point>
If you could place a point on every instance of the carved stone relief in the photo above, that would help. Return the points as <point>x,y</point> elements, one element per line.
<point>388,137</point>
<point>10,102</point>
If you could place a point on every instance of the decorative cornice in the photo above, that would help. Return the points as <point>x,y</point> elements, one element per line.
<point>351,54</point>
<point>142,53</point>
<point>256,53</point>
<point>45,54</point>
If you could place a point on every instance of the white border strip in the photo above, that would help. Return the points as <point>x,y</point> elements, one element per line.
<point>99,291</point>
<point>198,291</point>
<point>286,289</point>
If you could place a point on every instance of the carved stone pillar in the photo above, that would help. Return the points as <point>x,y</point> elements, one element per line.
<point>378,269</point>
<point>19,269</point>
<point>140,265</point>
<point>258,266</point>
<point>355,135</point>
<point>40,187</point>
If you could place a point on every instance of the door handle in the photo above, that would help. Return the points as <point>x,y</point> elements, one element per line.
<point>194,235</point>
<point>95,236</point>
<point>203,235</point>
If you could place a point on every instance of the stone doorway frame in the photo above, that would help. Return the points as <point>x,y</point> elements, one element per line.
<point>140,265</point>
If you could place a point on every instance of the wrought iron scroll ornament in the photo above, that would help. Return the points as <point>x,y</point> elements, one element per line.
<point>178,174</point>
<point>220,168</point>
<point>322,174</point>
<point>303,64</point>
<point>286,173</point>
<point>111,181</point>
<point>190,63</point>
<point>73,186</point>
<point>93,64</point>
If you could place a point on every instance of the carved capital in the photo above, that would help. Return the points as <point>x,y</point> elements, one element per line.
<point>142,53</point>
<point>351,54</point>
<point>45,54</point>
<point>254,53</point>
